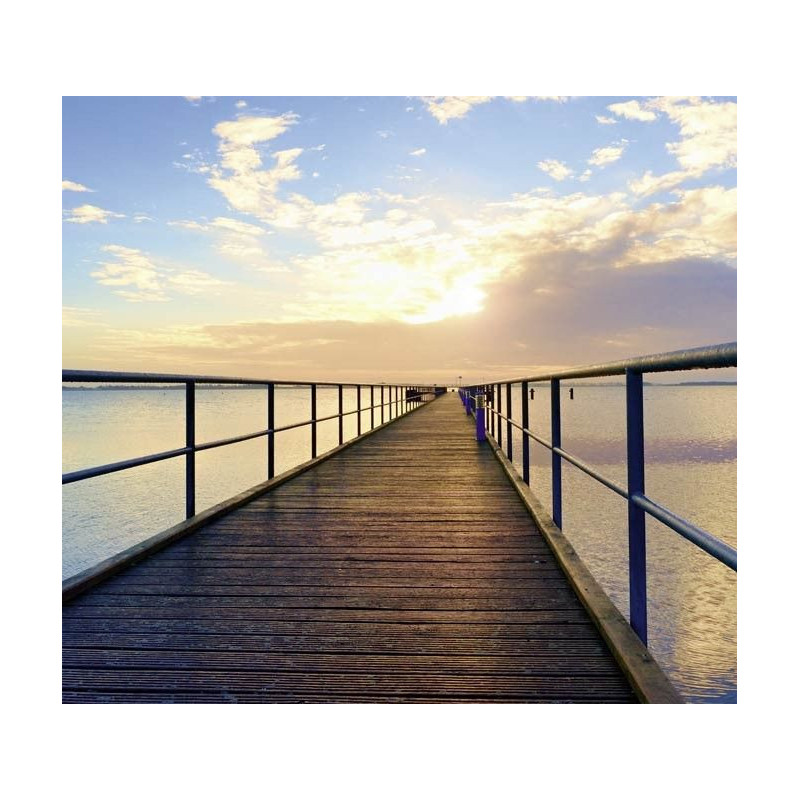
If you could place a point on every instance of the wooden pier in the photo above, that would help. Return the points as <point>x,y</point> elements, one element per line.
<point>404,568</point>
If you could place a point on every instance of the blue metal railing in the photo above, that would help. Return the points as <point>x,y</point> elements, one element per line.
<point>714,356</point>
<point>396,399</point>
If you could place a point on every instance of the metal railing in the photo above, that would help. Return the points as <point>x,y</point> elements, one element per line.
<point>711,357</point>
<point>396,400</point>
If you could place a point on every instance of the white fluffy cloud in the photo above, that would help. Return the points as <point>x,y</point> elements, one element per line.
<point>708,141</point>
<point>83,215</point>
<point>632,109</point>
<point>137,278</point>
<point>444,109</point>
<point>557,170</point>
<point>607,155</point>
<point>708,132</point>
<point>72,186</point>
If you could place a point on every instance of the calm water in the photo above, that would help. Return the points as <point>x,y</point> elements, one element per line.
<point>691,469</point>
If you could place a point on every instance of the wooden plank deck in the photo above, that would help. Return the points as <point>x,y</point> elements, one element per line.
<point>404,569</point>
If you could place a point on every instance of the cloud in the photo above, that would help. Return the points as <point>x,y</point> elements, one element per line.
<point>193,99</point>
<point>83,215</point>
<point>632,110</point>
<point>74,317</point>
<point>236,241</point>
<point>420,152</point>
<point>238,138</point>
<point>444,109</point>
<point>587,316</point>
<point>605,120</point>
<point>132,271</point>
<point>372,256</point>
<point>138,218</point>
<point>241,104</point>
<point>71,186</point>
<point>137,278</point>
<point>708,140</point>
<point>557,170</point>
<point>708,132</point>
<point>606,155</point>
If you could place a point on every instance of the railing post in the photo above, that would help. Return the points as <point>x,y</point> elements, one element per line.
<point>341,411</point>
<point>637,549</point>
<point>499,421</point>
<point>480,416</point>
<point>271,427</point>
<point>381,404</point>
<point>358,410</point>
<point>190,443</point>
<point>490,393</point>
<point>313,420</point>
<point>510,442</point>
<point>526,456</point>
<point>555,437</point>
<point>371,407</point>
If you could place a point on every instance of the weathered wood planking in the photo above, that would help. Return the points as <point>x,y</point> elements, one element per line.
<point>404,569</point>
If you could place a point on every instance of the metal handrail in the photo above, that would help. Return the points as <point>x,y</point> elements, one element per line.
<point>710,357</point>
<point>406,397</point>
<point>94,376</point>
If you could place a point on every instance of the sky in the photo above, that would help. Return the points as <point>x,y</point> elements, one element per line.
<point>394,238</point>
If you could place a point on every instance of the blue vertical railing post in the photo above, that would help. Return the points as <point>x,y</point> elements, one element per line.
<point>555,436</point>
<point>313,420</point>
<point>509,443</point>
<point>468,400</point>
<point>358,410</point>
<point>371,406</point>
<point>637,549</point>
<point>499,421</point>
<point>526,456</point>
<point>190,443</point>
<point>271,427</point>
<point>490,393</point>
<point>341,412</point>
<point>480,415</point>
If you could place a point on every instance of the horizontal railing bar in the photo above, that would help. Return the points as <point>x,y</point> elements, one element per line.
<point>581,465</point>
<point>715,356</point>
<point>233,440</point>
<point>705,541</point>
<point>94,472</point>
<point>94,376</point>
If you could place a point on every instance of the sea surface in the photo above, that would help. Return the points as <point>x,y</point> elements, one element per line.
<point>690,446</point>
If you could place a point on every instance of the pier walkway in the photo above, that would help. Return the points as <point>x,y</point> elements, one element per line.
<point>404,568</point>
